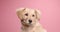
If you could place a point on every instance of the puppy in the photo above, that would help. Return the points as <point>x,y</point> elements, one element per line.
<point>30,20</point>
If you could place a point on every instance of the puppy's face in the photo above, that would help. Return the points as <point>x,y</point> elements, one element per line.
<point>28,16</point>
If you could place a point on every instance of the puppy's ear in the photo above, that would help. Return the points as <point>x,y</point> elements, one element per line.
<point>38,14</point>
<point>19,12</point>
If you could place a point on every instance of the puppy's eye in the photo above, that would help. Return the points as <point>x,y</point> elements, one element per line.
<point>33,15</point>
<point>26,14</point>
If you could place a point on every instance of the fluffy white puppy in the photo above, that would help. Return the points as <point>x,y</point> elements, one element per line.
<point>30,20</point>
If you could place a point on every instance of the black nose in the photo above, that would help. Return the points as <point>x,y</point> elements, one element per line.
<point>30,21</point>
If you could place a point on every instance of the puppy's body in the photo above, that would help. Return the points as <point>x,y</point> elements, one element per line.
<point>36,28</point>
<point>29,20</point>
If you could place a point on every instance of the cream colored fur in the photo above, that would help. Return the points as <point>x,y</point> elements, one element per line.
<point>35,26</point>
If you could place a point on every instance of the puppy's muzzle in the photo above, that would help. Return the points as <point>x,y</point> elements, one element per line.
<point>27,21</point>
<point>30,21</point>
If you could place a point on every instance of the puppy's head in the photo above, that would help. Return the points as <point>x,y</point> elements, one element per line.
<point>28,16</point>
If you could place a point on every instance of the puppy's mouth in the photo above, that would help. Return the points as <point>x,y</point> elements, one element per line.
<point>24,22</point>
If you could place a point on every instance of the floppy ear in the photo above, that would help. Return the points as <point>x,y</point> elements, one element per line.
<point>38,14</point>
<point>19,12</point>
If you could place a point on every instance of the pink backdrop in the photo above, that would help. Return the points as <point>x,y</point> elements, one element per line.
<point>50,14</point>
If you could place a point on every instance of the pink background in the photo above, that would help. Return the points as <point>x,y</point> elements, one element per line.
<point>50,14</point>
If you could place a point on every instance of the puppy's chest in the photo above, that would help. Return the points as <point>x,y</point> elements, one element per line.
<point>33,30</point>
<point>27,30</point>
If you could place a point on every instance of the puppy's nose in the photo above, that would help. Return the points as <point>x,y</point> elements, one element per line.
<point>30,21</point>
